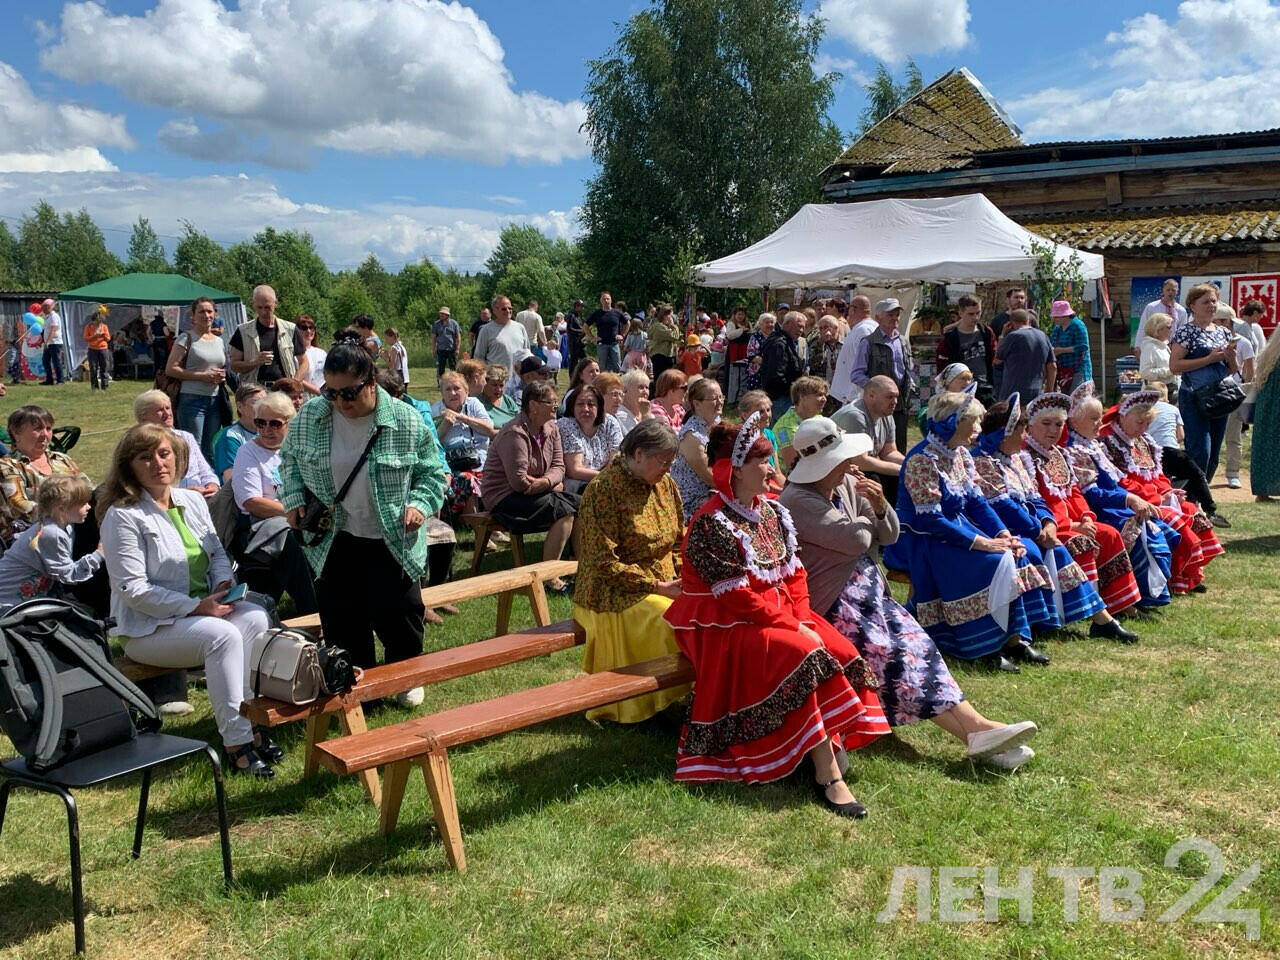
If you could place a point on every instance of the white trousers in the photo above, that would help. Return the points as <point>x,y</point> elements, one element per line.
<point>222,646</point>
<point>1231,442</point>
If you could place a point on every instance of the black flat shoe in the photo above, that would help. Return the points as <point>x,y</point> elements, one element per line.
<point>998,661</point>
<point>254,765</point>
<point>1112,631</point>
<point>1200,588</point>
<point>1024,651</point>
<point>853,810</point>
<point>266,748</point>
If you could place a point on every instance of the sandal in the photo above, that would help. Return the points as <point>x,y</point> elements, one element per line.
<point>254,765</point>
<point>266,748</point>
<point>853,809</point>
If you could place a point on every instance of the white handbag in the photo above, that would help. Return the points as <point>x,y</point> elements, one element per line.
<point>286,666</point>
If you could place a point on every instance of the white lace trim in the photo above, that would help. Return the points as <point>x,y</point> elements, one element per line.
<point>750,557</point>
<point>1122,443</point>
<point>1097,453</point>
<point>1059,491</point>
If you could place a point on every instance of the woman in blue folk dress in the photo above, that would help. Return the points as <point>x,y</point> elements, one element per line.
<point>1147,538</point>
<point>969,574</point>
<point>1009,484</point>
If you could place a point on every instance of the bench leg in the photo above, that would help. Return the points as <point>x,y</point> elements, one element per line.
<point>317,731</point>
<point>538,604</point>
<point>503,623</point>
<point>394,780</point>
<point>435,770</point>
<point>517,549</point>
<point>482,541</point>
<point>352,721</point>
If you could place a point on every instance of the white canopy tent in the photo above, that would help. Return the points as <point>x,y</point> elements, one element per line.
<point>887,242</point>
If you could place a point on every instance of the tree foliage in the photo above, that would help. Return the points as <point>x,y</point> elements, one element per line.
<point>884,94</point>
<point>145,253</point>
<point>709,128</point>
<point>381,286</point>
<point>1054,278</point>
<point>62,253</point>
<point>351,299</point>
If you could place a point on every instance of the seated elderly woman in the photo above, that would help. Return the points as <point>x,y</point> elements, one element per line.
<point>1008,482</point>
<point>154,406</point>
<point>1137,459</point>
<point>1149,539</point>
<point>464,430</point>
<point>841,516</point>
<point>808,398</point>
<point>953,378</point>
<point>1095,545</point>
<point>757,401</point>
<point>522,484</point>
<point>668,398</point>
<point>169,575</point>
<point>969,574</point>
<point>690,470</point>
<point>292,388</point>
<point>590,437</point>
<point>264,544</point>
<point>629,530</point>
<point>609,386</point>
<point>635,399</point>
<point>29,462</point>
<point>776,684</point>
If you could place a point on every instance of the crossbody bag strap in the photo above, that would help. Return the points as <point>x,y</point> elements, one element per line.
<point>368,447</point>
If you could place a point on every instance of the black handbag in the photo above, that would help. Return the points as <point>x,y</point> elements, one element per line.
<point>317,516</point>
<point>1215,400</point>
<point>463,456</point>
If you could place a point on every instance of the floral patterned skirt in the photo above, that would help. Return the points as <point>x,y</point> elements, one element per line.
<point>915,683</point>
<point>460,489</point>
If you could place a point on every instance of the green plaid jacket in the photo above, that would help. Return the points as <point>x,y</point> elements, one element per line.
<point>405,468</point>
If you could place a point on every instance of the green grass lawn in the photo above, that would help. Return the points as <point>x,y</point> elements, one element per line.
<point>580,845</point>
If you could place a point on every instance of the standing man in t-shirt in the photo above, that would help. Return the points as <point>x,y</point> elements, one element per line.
<point>609,324</point>
<point>1014,299</point>
<point>485,316</point>
<point>267,348</point>
<point>1025,359</point>
<point>576,333</point>
<point>972,343</point>
<point>52,345</point>
<point>445,335</point>
<point>502,341</point>
<point>531,320</point>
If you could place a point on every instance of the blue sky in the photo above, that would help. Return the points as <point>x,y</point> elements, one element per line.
<point>414,128</point>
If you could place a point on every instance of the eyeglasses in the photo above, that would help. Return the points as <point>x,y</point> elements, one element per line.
<point>305,326</point>
<point>273,424</point>
<point>348,394</point>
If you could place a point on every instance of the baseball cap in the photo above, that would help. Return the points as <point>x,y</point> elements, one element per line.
<point>533,365</point>
<point>890,303</point>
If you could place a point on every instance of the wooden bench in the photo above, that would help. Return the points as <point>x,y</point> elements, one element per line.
<point>425,741</point>
<point>430,668</point>
<point>135,671</point>
<point>485,526</point>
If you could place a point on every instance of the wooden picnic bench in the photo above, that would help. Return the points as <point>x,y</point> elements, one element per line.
<point>485,526</point>
<point>425,741</point>
<point>430,668</point>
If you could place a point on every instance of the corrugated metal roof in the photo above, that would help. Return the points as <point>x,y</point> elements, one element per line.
<point>1051,144</point>
<point>1183,227</point>
<point>940,128</point>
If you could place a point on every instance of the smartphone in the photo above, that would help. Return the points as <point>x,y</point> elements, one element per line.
<point>236,593</point>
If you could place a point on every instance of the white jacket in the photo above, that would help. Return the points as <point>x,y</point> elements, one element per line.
<point>147,564</point>
<point>1154,364</point>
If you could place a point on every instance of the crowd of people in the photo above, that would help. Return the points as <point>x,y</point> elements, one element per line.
<point>750,542</point>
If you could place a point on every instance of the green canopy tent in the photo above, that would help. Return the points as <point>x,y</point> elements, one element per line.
<point>127,296</point>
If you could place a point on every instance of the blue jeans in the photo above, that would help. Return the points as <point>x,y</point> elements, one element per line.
<point>53,363</point>
<point>609,357</point>
<point>199,416</point>
<point>1203,437</point>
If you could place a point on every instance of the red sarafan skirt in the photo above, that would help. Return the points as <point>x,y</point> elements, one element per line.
<point>764,697</point>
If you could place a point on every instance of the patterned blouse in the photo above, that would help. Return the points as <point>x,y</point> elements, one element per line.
<point>629,539</point>
<point>595,449</point>
<point>693,491</point>
<point>19,481</point>
<point>1200,342</point>
<point>673,418</point>
<point>727,544</point>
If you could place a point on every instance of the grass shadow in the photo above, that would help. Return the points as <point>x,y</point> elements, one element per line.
<point>32,907</point>
<point>1268,545</point>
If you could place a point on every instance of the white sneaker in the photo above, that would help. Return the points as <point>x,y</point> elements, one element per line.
<point>1011,759</point>
<point>411,698</point>
<point>986,743</point>
<point>176,708</point>
<point>1233,483</point>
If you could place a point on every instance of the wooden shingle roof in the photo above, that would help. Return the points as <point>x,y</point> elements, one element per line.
<point>940,128</point>
<point>1202,226</point>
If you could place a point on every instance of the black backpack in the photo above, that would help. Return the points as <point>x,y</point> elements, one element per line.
<point>60,696</point>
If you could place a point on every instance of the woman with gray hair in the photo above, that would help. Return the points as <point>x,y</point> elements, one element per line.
<point>630,526</point>
<point>968,572</point>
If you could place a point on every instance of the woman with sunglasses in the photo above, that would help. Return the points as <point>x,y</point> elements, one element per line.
<point>370,558</point>
<point>311,365</point>
<point>269,553</point>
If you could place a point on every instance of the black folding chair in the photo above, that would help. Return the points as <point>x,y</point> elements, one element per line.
<point>144,753</point>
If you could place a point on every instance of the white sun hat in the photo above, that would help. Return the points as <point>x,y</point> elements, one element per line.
<point>823,446</point>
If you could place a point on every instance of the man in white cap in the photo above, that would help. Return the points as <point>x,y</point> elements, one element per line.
<point>861,324</point>
<point>883,352</point>
<point>445,337</point>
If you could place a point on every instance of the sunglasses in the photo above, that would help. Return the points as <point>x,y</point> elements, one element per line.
<point>348,394</point>
<point>305,326</point>
<point>273,424</point>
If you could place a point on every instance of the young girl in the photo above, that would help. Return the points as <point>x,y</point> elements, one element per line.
<point>396,357</point>
<point>633,348</point>
<point>554,358</point>
<point>39,562</point>
<point>691,358</point>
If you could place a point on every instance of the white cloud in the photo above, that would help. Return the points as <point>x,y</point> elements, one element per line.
<point>38,134</point>
<point>505,200</point>
<point>893,31</point>
<point>367,76</point>
<point>1206,71</point>
<point>847,67</point>
<point>230,208</point>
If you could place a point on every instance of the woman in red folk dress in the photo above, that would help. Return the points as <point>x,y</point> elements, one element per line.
<point>1096,546</point>
<point>1124,437</point>
<point>776,683</point>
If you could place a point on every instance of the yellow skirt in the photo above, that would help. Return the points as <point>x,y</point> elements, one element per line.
<point>620,639</point>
